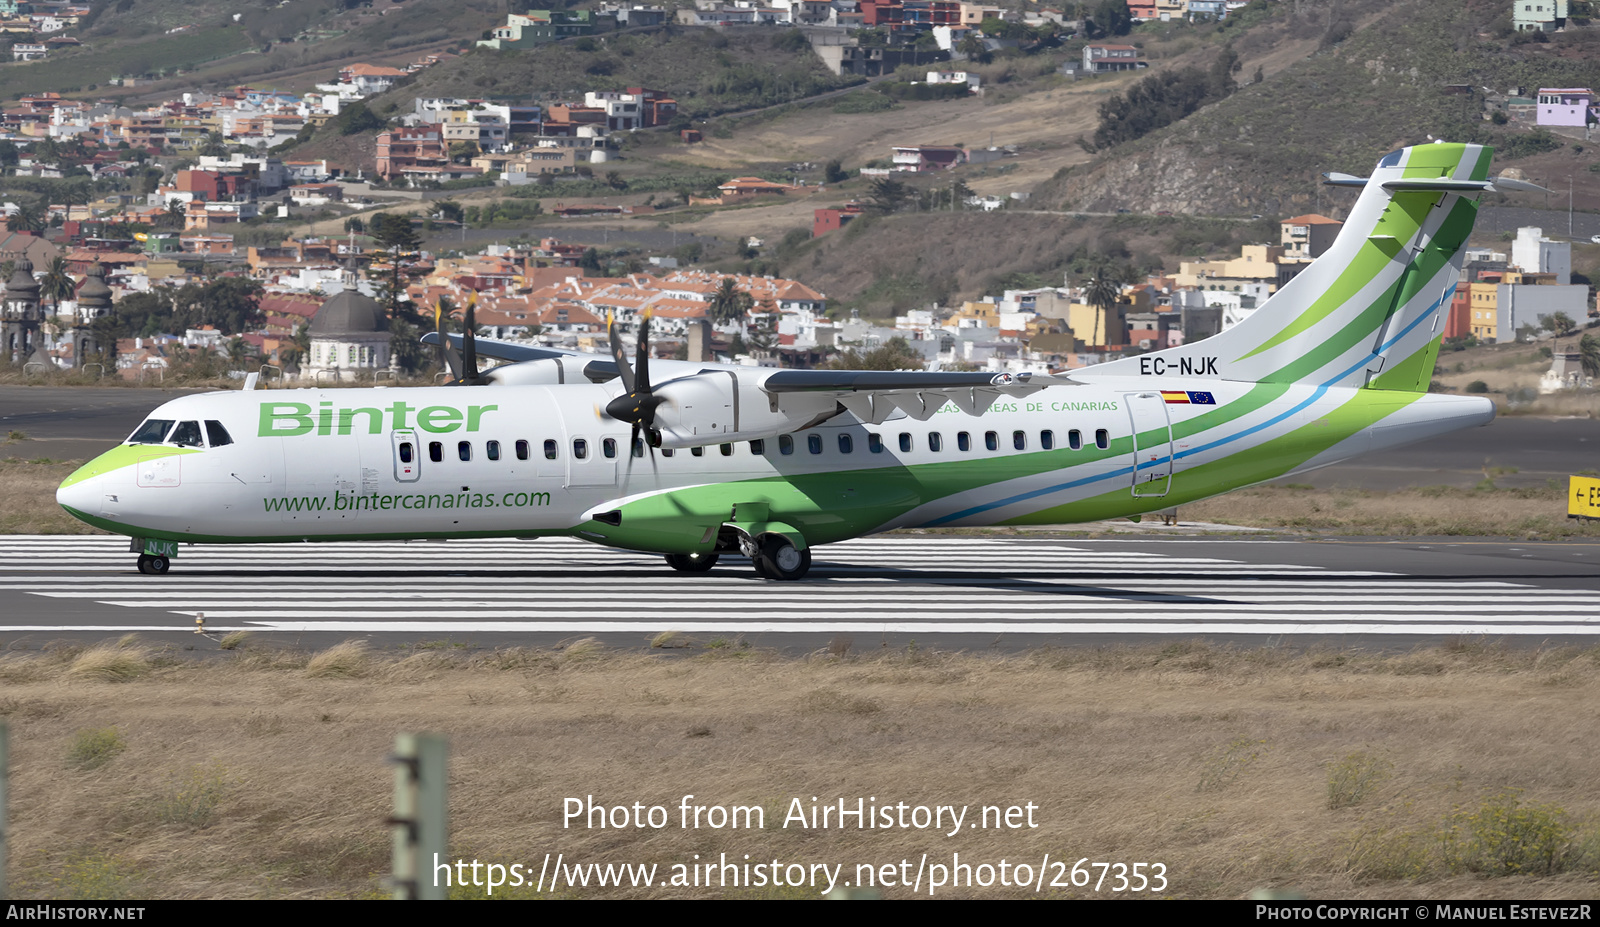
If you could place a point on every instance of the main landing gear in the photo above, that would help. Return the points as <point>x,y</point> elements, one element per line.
<point>773,555</point>
<point>154,565</point>
<point>777,558</point>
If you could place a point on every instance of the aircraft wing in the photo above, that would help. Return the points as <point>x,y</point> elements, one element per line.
<point>872,395</point>
<point>700,403</point>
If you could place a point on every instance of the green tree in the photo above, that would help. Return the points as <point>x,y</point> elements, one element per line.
<point>1560,323</point>
<point>1111,17</point>
<point>894,354</point>
<point>888,195</point>
<point>357,118</point>
<point>57,283</point>
<point>406,347</point>
<point>1101,292</point>
<point>763,331</point>
<point>729,304</point>
<point>27,218</point>
<point>1589,347</point>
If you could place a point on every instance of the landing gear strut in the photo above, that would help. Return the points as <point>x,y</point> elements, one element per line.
<point>154,566</point>
<point>692,563</point>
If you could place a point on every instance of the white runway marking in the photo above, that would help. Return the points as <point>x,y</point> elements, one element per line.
<point>876,585</point>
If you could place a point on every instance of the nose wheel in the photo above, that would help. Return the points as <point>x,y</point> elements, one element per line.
<point>692,563</point>
<point>154,566</point>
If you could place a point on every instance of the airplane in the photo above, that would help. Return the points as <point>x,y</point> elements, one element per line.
<point>695,461</point>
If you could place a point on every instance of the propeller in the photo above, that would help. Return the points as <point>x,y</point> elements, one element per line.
<point>464,366</point>
<point>638,405</point>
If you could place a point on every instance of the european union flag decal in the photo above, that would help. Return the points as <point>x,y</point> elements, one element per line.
<point>1201,399</point>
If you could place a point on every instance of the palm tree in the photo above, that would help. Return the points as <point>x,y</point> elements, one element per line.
<point>1101,293</point>
<point>26,219</point>
<point>57,284</point>
<point>1589,348</point>
<point>729,304</point>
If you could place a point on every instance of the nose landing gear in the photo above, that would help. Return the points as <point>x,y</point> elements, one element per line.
<point>154,565</point>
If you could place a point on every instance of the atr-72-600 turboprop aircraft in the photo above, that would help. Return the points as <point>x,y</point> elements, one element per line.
<point>695,460</point>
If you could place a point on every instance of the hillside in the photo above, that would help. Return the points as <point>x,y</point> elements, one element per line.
<point>289,45</point>
<point>1262,149</point>
<point>706,71</point>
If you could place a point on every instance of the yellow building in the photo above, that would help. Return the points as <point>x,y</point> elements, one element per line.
<point>1485,309</point>
<point>1256,264</point>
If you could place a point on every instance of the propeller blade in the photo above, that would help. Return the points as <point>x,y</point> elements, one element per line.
<point>641,370</point>
<point>617,354</point>
<point>469,346</point>
<point>451,360</point>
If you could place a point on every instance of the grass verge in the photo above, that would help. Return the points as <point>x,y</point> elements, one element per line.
<point>1460,771</point>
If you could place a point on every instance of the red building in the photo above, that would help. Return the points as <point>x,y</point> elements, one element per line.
<point>1458,324</point>
<point>888,14</point>
<point>830,220</point>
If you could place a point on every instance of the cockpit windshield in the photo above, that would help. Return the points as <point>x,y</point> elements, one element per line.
<point>187,434</point>
<point>153,431</point>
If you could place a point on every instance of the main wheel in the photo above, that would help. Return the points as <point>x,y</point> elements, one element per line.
<point>144,563</point>
<point>781,560</point>
<point>692,563</point>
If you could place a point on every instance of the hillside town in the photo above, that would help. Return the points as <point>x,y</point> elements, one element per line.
<point>154,201</point>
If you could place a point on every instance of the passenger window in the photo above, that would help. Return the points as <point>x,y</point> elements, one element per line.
<point>493,450</point>
<point>187,434</point>
<point>963,441</point>
<point>814,443</point>
<point>1047,439</point>
<point>875,442</point>
<point>549,449</point>
<point>786,444</point>
<point>935,441</point>
<point>216,435</point>
<point>151,432</point>
<point>523,449</point>
<point>847,444</point>
<point>638,446</point>
<point>464,450</point>
<point>991,441</point>
<point>667,452</point>
<point>697,451</point>
<point>1019,440</point>
<point>1102,438</point>
<point>405,452</point>
<point>580,448</point>
<point>758,447</point>
<point>905,442</point>
<point>727,450</point>
<point>1075,439</point>
<point>608,447</point>
<point>435,451</point>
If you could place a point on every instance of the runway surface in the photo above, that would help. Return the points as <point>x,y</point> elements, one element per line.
<point>963,591</point>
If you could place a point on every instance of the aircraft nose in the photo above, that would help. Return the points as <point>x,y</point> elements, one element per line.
<point>80,493</point>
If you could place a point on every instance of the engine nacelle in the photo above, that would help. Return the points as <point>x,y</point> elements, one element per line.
<point>553,370</point>
<point>716,407</point>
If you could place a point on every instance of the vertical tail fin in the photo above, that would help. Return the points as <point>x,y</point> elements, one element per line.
<point>1368,312</point>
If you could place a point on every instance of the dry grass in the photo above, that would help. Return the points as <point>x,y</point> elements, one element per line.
<point>348,660</point>
<point>28,505</point>
<point>122,662</point>
<point>1429,511</point>
<point>243,776</point>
